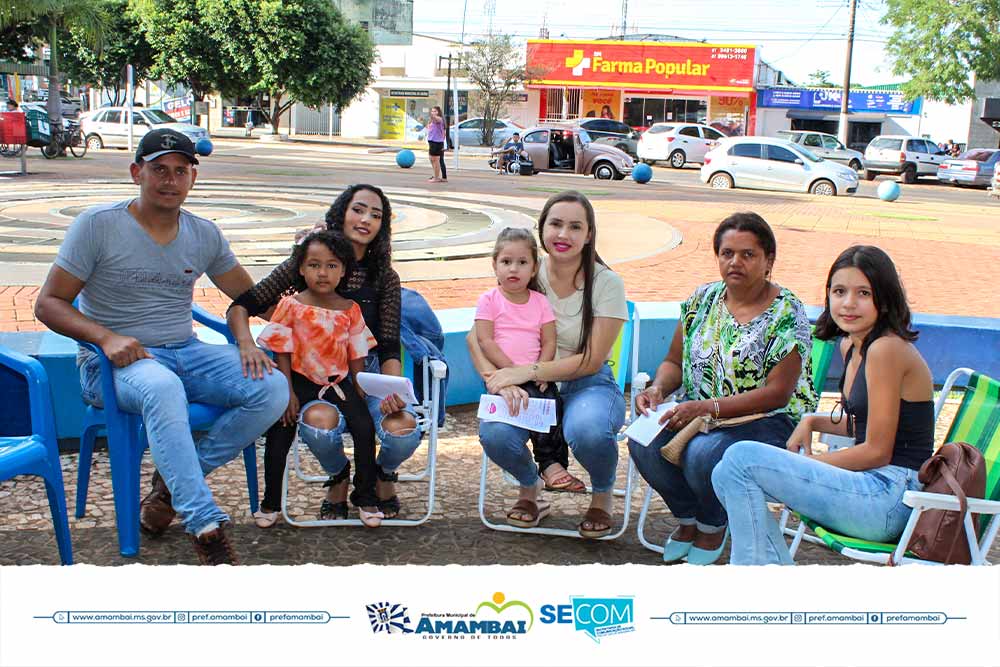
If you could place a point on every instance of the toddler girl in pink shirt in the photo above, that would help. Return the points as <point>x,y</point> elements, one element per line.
<point>515,325</point>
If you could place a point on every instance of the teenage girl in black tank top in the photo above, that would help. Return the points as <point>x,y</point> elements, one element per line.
<point>914,431</point>
<point>886,397</point>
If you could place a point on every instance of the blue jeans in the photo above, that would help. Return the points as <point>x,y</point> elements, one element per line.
<point>394,450</point>
<point>326,445</point>
<point>593,413</point>
<point>866,504</point>
<point>688,490</point>
<point>160,388</point>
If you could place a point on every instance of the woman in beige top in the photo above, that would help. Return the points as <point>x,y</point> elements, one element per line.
<point>589,303</point>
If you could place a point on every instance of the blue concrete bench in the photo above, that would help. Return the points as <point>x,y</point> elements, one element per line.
<point>945,341</point>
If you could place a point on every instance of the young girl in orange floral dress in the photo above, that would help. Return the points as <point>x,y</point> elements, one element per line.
<point>320,342</point>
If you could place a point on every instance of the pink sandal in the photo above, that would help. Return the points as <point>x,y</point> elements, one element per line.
<point>371,519</point>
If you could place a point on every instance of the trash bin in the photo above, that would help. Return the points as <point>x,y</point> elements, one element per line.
<point>39,133</point>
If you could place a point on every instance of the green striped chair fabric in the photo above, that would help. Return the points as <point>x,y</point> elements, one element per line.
<point>977,423</point>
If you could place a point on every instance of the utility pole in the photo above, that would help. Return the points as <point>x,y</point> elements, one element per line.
<point>624,17</point>
<point>846,94</point>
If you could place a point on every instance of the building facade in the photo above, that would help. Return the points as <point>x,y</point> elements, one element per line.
<point>645,81</point>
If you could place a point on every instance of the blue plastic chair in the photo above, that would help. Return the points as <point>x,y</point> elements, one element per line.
<point>37,453</point>
<point>127,441</point>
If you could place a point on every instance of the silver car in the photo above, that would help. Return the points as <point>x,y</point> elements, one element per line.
<point>470,132</point>
<point>975,167</point>
<point>108,126</point>
<point>826,146</point>
<point>775,164</point>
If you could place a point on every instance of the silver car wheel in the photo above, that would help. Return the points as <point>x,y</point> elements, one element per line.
<point>604,171</point>
<point>94,142</point>
<point>677,159</point>
<point>823,188</point>
<point>721,181</point>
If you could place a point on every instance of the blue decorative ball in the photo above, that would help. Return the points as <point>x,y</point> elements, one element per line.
<point>203,146</point>
<point>405,158</point>
<point>642,173</point>
<point>889,191</point>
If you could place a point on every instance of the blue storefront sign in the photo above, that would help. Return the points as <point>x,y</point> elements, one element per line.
<point>824,98</point>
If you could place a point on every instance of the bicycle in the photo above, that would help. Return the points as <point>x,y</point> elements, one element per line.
<point>62,138</point>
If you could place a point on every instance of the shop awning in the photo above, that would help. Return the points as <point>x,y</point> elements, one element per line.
<point>826,115</point>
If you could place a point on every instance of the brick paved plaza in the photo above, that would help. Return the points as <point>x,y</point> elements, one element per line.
<point>946,243</point>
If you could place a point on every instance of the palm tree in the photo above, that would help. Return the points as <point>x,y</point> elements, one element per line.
<point>87,15</point>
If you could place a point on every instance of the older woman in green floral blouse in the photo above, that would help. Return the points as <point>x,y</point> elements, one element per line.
<point>742,348</point>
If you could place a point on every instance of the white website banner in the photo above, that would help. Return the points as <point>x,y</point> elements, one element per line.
<point>499,615</point>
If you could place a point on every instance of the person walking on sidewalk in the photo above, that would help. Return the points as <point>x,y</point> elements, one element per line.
<point>134,265</point>
<point>435,146</point>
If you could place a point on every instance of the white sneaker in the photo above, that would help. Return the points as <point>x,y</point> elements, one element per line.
<point>265,519</point>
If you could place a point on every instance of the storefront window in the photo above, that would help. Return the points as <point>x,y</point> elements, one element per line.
<point>644,111</point>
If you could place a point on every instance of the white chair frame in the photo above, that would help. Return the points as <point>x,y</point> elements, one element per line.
<point>639,381</point>
<point>427,419</point>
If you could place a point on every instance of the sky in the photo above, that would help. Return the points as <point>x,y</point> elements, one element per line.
<point>795,37</point>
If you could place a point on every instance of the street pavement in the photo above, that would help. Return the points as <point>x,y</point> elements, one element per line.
<point>945,241</point>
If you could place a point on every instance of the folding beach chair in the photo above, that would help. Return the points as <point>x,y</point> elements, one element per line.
<point>624,350</point>
<point>820,359</point>
<point>433,374</point>
<point>977,423</point>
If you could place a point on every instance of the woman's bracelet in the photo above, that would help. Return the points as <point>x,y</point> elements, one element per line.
<point>715,402</point>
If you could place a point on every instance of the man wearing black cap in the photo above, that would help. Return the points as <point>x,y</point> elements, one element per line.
<point>134,265</point>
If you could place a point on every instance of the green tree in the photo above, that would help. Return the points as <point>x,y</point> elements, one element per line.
<point>821,79</point>
<point>124,44</point>
<point>185,51</point>
<point>17,38</point>
<point>292,51</point>
<point>87,16</point>
<point>939,45</point>
<point>494,66</point>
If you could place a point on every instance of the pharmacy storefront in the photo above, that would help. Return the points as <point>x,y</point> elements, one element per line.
<point>642,83</point>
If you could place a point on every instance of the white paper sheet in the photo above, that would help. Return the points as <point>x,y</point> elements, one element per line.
<point>645,428</point>
<point>540,415</point>
<point>380,386</point>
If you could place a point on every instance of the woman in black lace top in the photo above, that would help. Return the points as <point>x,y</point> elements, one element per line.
<point>363,213</point>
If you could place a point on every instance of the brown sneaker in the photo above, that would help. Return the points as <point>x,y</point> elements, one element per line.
<point>155,510</point>
<point>213,547</point>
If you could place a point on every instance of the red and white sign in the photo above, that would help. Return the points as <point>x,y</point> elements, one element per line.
<point>643,65</point>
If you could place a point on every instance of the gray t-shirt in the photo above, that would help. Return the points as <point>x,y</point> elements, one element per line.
<point>135,286</point>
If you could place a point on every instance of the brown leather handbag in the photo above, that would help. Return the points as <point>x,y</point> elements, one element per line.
<point>958,469</point>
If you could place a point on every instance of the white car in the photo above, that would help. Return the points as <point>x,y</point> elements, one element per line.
<point>775,164</point>
<point>910,157</point>
<point>677,143</point>
<point>107,126</point>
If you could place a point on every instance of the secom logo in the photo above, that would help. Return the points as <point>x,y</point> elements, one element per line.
<point>596,617</point>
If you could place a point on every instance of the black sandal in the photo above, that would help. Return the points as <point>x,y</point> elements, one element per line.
<point>390,507</point>
<point>330,511</point>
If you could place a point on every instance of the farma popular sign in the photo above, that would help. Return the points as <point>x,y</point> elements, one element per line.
<point>643,65</point>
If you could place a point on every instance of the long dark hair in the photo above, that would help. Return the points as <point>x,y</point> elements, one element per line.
<point>379,251</point>
<point>887,294</point>
<point>332,239</point>
<point>519,235</point>
<point>588,261</point>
